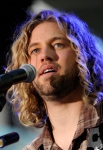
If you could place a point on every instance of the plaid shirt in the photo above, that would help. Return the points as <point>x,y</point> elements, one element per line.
<point>90,117</point>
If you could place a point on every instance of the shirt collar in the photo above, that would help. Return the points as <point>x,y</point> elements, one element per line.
<point>89,118</point>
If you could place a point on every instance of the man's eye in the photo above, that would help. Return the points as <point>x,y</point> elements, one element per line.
<point>59,45</point>
<point>35,51</point>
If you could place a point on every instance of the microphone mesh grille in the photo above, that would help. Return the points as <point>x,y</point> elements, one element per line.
<point>30,71</point>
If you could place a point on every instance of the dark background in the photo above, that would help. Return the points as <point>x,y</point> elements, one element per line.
<point>11,13</point>
<point>15,11</point>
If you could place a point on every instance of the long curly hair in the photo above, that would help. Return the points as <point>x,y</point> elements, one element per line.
<point>25,99</point>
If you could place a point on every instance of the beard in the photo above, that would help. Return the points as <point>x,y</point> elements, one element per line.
<point>58,86</point>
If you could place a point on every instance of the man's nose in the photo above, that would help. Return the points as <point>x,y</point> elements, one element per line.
<point>48,54</point>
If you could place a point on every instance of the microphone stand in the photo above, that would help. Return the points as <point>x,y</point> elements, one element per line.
<point>2,101</point>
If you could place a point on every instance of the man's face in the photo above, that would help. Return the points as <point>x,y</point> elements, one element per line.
<point>50,53</point>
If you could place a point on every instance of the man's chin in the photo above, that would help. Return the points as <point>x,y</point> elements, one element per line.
<point>44,88</point>
<point>57,86</point>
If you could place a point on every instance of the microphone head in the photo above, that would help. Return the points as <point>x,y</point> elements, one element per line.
<point>30,71</point>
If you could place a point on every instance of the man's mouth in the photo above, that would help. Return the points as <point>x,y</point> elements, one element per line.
<point>48,69</point>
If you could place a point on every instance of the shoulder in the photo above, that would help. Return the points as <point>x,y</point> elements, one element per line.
<point>35,144</point>
<point>42,139</point>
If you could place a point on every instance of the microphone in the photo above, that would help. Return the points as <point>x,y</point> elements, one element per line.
<point>26,73</point>
<point>8,139</point>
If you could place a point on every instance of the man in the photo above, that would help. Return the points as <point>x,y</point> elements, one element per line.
<point>66,96</point>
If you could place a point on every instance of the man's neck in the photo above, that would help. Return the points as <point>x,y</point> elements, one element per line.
<point>64,114</point>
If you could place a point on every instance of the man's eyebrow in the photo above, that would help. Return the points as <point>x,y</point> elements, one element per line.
<point>32,44</point>
<point>58,38</point>
<point>51,40</point>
